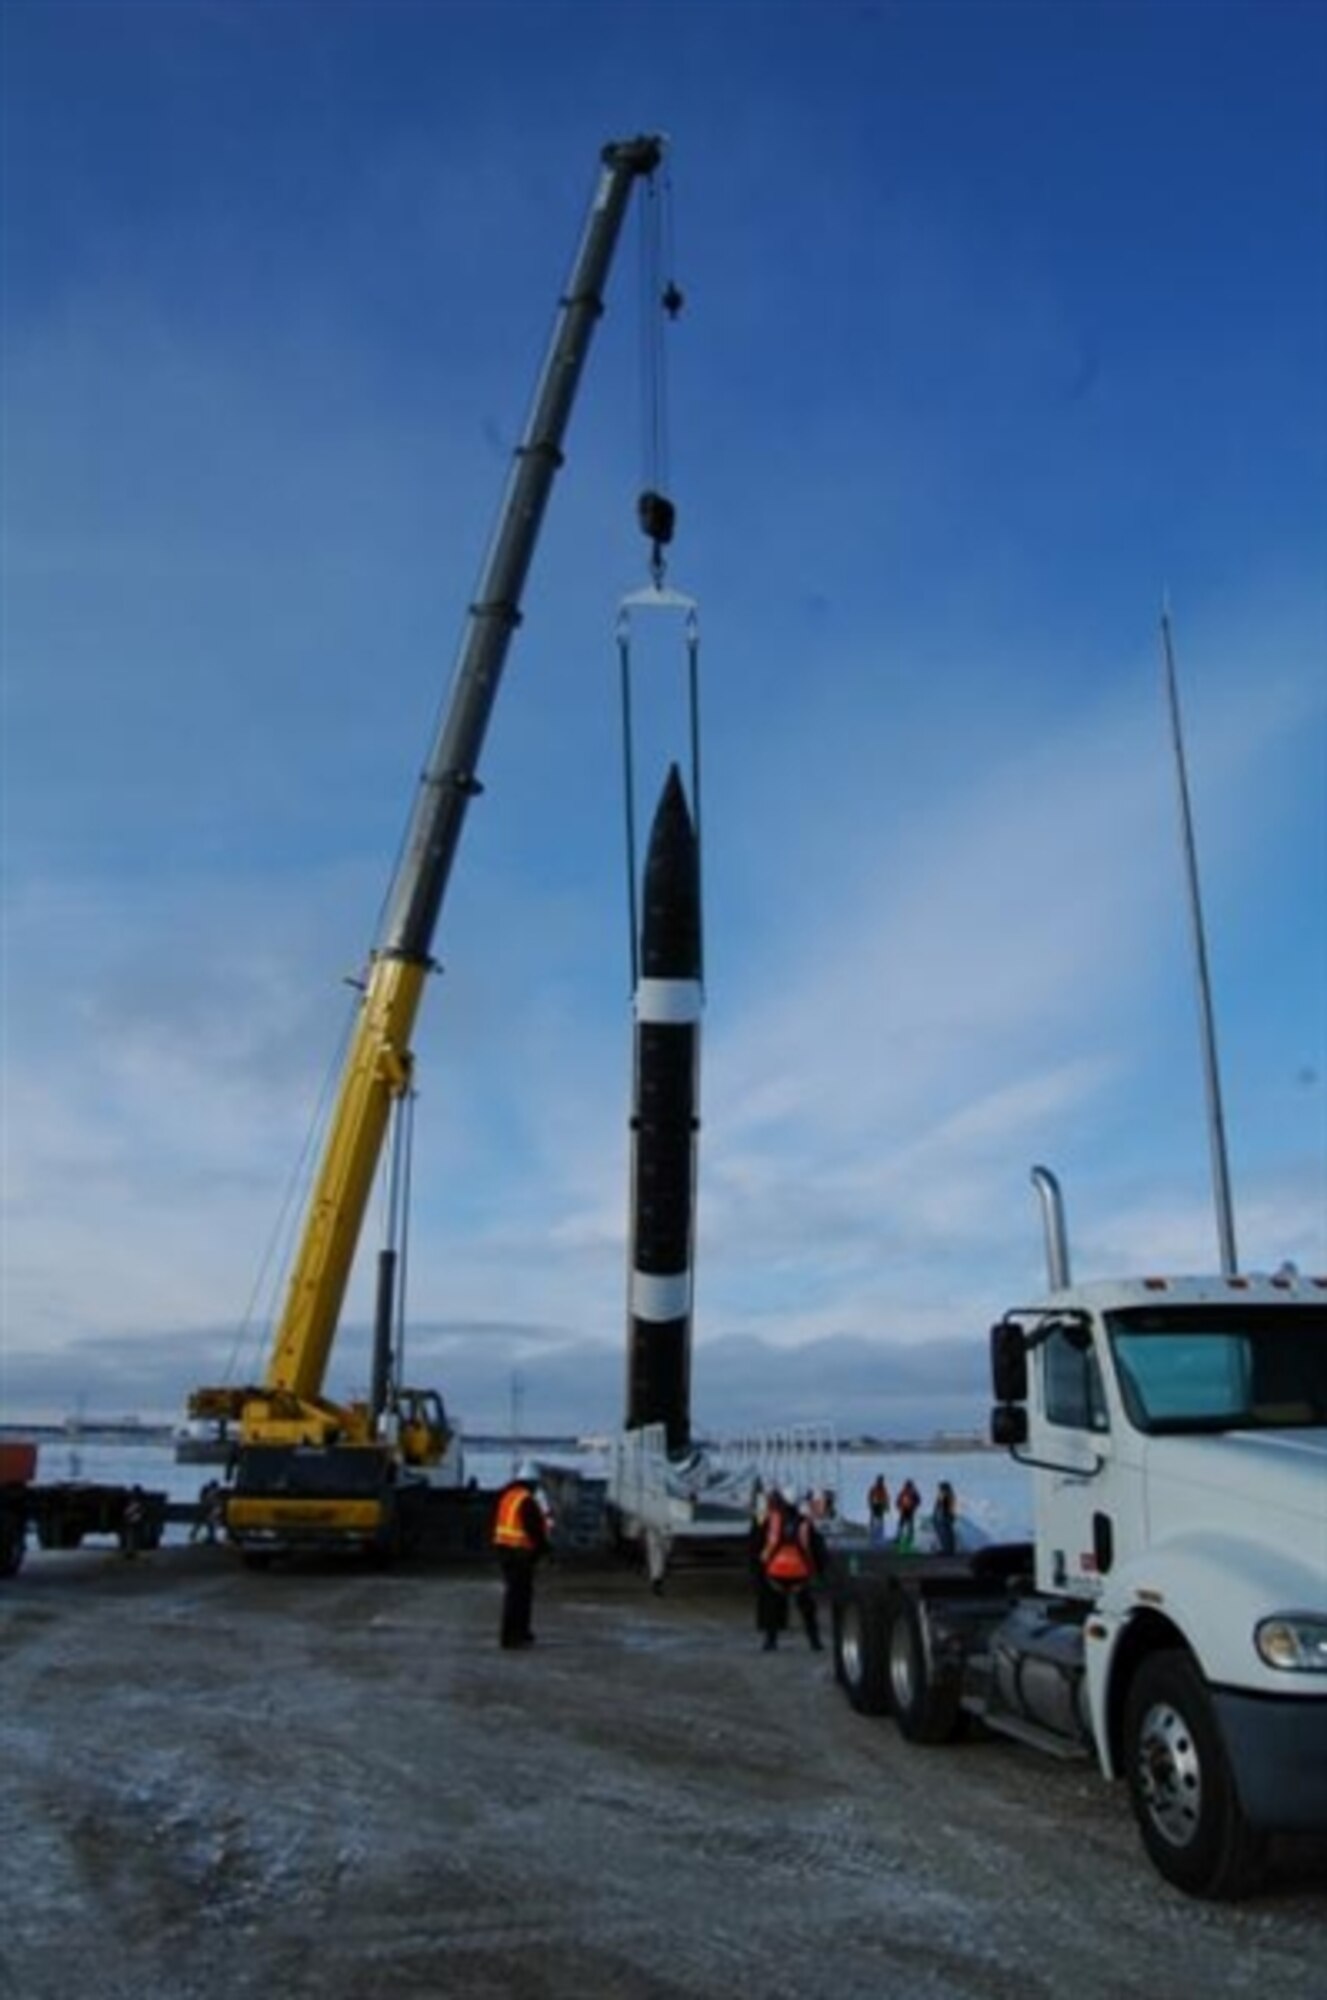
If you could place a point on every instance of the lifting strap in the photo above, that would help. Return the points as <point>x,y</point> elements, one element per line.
<point>673,602</point>
<point>661,303</point>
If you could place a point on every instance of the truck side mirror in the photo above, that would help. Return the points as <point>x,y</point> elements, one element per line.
<point>1009,1362</point>
<point>1009,1425</point>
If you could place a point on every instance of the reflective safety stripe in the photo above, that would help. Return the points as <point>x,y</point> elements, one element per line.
<point>509,1530</point>
<point>660,1297</point>
<point>668,1002</point>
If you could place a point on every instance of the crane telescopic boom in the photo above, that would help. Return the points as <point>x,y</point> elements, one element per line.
<point>289,1407</point>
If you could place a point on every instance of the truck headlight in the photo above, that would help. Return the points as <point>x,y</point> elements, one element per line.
<point>1296,1642</point>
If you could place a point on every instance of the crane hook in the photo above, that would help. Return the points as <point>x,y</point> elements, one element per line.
<point>658,518</point>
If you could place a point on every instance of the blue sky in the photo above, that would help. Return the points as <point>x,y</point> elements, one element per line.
<point>1002,320</point>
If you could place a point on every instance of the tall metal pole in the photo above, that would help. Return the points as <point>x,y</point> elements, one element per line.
<point>1216,1130</point>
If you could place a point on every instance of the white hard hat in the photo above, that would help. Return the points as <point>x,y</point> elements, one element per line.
<point>528,1471</point>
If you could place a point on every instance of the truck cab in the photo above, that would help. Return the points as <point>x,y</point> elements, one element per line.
<point>1177,1433</point>
<point>1169,1618</point>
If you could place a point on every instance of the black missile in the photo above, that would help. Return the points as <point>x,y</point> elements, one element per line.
<point>664,1124</point>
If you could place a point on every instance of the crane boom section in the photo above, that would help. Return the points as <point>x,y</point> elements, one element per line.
<point>379,1060</point>
<point>377,1070</point>
<point>449,779</point>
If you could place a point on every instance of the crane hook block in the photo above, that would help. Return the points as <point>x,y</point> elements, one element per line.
<point>658,517</point>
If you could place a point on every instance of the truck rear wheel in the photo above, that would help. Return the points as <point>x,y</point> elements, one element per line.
<point>1180,1783</point>
<point>859,1654</point>
<point>926,1706</point>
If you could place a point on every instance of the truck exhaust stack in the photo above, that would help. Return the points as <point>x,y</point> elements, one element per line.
<point>1057,1241</point>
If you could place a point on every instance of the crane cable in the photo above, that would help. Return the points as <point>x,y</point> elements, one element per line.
<point>661,304</point>
<point>396,1220</point>
<point>254,1329</point>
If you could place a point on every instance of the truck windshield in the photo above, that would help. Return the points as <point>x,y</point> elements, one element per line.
<point>1221,1368</point>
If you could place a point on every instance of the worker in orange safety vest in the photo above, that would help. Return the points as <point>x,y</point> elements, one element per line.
<point>520,1537</point>
<point>791,1558</point>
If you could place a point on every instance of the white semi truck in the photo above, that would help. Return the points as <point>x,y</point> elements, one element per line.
<point>1169,1618</point>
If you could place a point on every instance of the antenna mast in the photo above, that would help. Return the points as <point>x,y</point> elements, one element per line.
<point>1216,1129</point>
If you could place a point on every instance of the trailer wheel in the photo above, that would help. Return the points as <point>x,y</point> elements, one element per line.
<point>1181,1785</point>
<point>925,1705</point>
<point>859,1654</point>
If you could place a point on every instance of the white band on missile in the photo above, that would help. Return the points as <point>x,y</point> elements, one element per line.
<point>660,1298</point>
<point>668,1002</point>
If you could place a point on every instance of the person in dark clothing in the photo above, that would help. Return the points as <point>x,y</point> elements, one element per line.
<point>877,1507</point>
<point>771,1605</point>
<point>791,1558</point>
<point>520,1536</point>
<point>942,1518</point>
<point>905,1506</point>
<point>211,1512</point>
<point>133,1524</point>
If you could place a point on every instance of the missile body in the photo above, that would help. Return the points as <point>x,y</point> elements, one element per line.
<point>664,1124</point>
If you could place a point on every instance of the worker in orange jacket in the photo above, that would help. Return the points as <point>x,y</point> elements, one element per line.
<point>520,1536</point>
<point>791,1558</point>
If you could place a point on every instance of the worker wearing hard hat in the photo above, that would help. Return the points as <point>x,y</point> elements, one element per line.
<point>520,1536</point>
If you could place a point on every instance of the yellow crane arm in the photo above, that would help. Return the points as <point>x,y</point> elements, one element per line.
<point>289,1406</point>
<point>377,1071</point>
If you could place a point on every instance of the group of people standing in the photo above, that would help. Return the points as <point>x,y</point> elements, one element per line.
<point>907,1507</point>
<point>786,1550</point>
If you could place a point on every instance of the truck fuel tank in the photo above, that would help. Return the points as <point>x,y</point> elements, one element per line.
<point>1038,1672</point>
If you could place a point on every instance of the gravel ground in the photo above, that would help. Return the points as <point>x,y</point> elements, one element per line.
<point>330,1781</point>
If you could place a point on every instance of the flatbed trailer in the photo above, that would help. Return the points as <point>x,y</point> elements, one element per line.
<point>64,1514</point>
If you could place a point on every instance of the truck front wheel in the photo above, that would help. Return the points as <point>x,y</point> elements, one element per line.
<point>1180,1782</point>
<point>859,1654</point>
<point>925,1705</point>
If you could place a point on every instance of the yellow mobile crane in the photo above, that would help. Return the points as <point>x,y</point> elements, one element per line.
<point>311,1471</point>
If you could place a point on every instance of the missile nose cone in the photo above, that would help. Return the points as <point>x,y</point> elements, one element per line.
<point>670,922</point>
